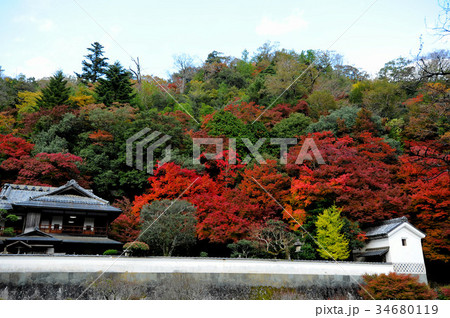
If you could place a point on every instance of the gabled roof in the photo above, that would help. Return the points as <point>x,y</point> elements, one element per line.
<point>71,189</point>
<point>35,232</point>
<point>19,243</point>
<point>33,236</point>
<point>70,196</point>
<point>384,228</point>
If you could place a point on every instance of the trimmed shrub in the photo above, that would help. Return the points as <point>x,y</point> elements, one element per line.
<point>111,252</point>
<point>395,286</point>
<point>136,248</point>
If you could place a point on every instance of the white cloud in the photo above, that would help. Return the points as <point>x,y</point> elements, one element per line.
<point>293,22</point>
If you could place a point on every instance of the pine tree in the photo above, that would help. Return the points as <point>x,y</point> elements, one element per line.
<point>55,93</point>
<point>332,242</point>
<point>117,86</point>
<point>96,66</point>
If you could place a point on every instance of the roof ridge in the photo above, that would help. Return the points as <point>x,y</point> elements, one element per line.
<point>401,219</point>
<point>74,184</point>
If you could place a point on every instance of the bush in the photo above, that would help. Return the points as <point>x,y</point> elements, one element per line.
<point>9,231</point>
<point>395,286</point>
<point>136,248</point>
<point>293,126</point>
<point>444,292</point>
<point>111,252</point>
<point>346,120</point>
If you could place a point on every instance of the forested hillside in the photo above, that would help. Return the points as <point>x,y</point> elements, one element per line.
<point>384,140</point>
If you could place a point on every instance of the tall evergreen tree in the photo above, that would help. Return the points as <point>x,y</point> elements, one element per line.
<point>332,242</point>
<point>117,86</point>
<point>96,65</point>
<point>55,93</point>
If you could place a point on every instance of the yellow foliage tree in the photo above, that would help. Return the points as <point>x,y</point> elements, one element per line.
<point>7,123</point>
<point>83,96</point>
<point>27,101</point>
<point>332,243</point>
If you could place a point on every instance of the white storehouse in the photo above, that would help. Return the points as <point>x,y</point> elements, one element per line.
<point>397,242</point>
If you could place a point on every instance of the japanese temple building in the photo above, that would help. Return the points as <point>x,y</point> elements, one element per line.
<point>67,220</point>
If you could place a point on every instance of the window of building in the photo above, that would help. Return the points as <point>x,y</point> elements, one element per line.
<point>403,241</point>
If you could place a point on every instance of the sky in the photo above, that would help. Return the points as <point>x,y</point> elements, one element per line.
<point>38,37</point>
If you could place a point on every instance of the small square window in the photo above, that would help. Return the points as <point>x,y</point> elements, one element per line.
<point>403,241</point>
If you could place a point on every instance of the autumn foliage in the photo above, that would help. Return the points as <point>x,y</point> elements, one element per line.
<point>15,147</point>
<point>359,175</point>
<point>385,143</point>
<point>127,226</point>
<point>49,169</point>
<point>395,287</point>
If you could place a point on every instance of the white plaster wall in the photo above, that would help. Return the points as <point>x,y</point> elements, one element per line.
<point>411,253</point>
<point>91,264</point>
<point>383,242</point>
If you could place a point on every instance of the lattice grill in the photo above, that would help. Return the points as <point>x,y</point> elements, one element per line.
<point>409,268</point>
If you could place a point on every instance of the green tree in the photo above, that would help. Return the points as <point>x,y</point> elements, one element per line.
<point>117,86</point>
<point>7,218</point>
<point>7,94</point>
<point>10,87</point>
<point>332,242</point>
<point>214,57</point>
<point>172,226</point>
<point>385,99</point>
<point>287,72</point>
<point>381,97</point>
<point>294,125</point>
<point>398,70</point>
<point>321,102</point>
<point>243,249</point>
<point>55,93</point>
<point>96,65</point>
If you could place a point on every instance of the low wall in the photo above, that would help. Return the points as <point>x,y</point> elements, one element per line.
<point>277,273</point>
<point>228,273</point>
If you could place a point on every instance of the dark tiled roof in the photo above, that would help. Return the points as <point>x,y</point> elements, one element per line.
<point>32,239</point>
<point>69,196</point>
<point>33,236</point>
<point>383,228</point>
<point>38,236</point>
<point>375,252</point>
<point>85,239</point>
